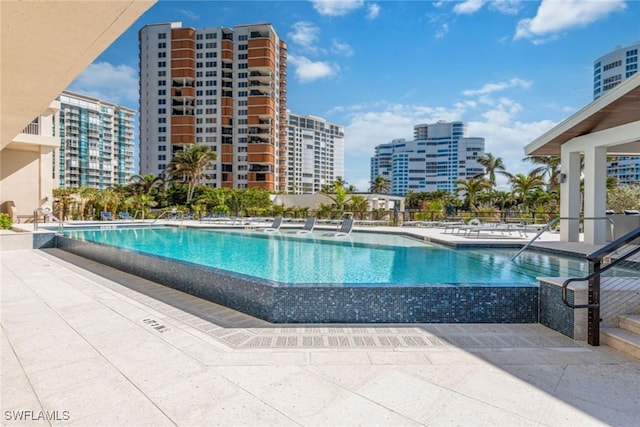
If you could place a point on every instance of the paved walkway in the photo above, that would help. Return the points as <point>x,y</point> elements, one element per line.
<point>88,345</point>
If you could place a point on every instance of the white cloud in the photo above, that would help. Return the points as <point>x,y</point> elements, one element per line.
<point>556,16</point>
<point>341,48</point>
<point>188,13</point>
<point>305,35</point>
<point>373,11</point>
<point>113,83</point>
<point>444,29</point>
<point>468,7</point>
<point>308,71</point>
<point>336,7</point>
<point>497,87</point>
<point>510,7</point>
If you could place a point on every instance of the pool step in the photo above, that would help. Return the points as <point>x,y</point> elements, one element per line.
<point>626,337</point>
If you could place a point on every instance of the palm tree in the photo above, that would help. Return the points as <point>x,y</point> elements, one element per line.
<point>143,184</point>
<point>379,185</point>
<point>472,187</point>
<point>550,166</point>
<point>188,165</point>
<point>63,201</point>
<point>491,166</point>
<point>524,185</point>
<point>358,204</point>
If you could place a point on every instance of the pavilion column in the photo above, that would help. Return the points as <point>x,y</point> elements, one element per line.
<point>570,195</point>
<point>595,194</point>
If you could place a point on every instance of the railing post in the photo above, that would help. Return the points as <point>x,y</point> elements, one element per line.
<point>593,313</point>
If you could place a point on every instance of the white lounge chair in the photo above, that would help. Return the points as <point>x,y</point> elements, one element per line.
<point>344,230</point>
<point>277,222</point>
<point>309,224</point>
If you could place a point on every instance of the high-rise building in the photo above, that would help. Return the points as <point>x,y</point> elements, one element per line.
<point>96,142</point>
<point>220,87</point>
<point>438,156</point>
<point>611,69</point>
<point>608,72</point>
<point>315,153</point>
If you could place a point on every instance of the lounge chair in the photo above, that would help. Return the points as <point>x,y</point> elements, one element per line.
<point>277,222</point>
<point>309,224</point>
<point>125,215</point>
<point>344,230</point>
<point>106,216</point>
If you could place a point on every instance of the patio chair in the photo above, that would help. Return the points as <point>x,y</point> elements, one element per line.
<point>344,230</point>
<point>125,215</point>
<point>277,222</point>
<point>106,216</point>
<point>309,224</point>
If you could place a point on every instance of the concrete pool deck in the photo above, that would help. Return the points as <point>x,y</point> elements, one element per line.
<point>89,345</point>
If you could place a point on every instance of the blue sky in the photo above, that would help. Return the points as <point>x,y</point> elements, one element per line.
<point>510,69</point>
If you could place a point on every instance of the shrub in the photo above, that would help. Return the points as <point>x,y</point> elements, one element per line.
<point>5,222</point>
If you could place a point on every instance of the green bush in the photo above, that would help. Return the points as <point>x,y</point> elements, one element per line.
<point>5,222</point>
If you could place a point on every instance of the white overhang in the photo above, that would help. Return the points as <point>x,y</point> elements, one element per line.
<point>617,108</point>
<point>46,45</point>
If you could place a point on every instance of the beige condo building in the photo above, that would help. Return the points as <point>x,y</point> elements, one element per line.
<point>220,87</point>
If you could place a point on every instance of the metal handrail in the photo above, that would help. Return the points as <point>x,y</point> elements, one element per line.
<point>47,212</point>
<point>545,228</point>
<point>595,259</point>
<point>167,211</point>
<point>553,221</point>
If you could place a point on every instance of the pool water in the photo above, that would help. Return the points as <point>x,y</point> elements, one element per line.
<point>359,260</point>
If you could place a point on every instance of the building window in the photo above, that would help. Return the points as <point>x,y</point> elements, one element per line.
<point>162,45</point>
<point>210,36</point>
<point>242,66</point>
<point>162,101</point>
<point>212,45</point>
<point>211,55</point>
<point>162,129</point>
<point>162,148</point>
<point>162,157</point>
<point>162,73</point>
<point>162,92</point>
<point>162,82</point>
<point>162,64</point>
<point>162,54</point>
<point>162,36</point>
<point>162,120</point>
<point>162,111</point>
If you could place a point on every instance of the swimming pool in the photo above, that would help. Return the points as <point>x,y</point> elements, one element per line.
<point>288,278</point>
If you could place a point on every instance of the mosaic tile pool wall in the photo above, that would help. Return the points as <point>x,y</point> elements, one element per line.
<point>323,304</point>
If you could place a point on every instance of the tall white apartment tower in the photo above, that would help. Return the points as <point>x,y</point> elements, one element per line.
<point>440,154</point>
<point>96,142</point>
<point>315,153</point>
<point>608,72</point>
<point>220,87</point>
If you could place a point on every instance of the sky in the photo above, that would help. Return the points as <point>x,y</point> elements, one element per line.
<point>509,69</point>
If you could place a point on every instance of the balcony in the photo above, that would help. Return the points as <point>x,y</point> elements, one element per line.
<point>261,76</point>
